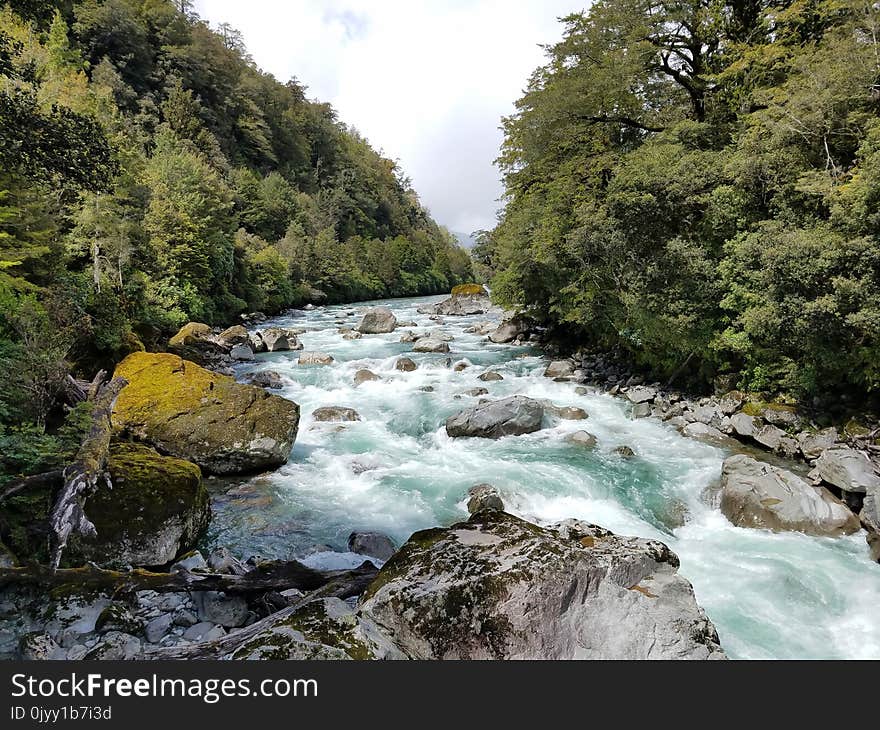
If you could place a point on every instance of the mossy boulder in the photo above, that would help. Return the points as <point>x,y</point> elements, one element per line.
<point>469,290</point>
<point>157,509</point>
<point>186,411</point>
<point>191,335</point>
<point>198,343</point>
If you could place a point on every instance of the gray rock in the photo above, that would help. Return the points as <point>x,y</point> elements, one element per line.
<point>364,376</point>
<point>461,365</point>
<point>484,496</point>
<point>641,410</point>
<point>496,587</point>
<point>813,443</point>
<point>702,432</point>
<point>236,335</point>
<point>221,560</point>
<point>491,376</point>
<point>352,335</point>
<point>624,451</point>
<point>559,369</point>
<point>266,379</point>
<point>118,617</point>
<point>405,365</point>
<point>242,353</point>
<point>744,425</point>
<point>326,628</point>
<point>710,414</point>
<point>755,494</point>
<point>192,562</point>
<point>185,618</point>
<point>641,394</point>
<point>378,320</point>
<point>507,417</point>
<point>408,337</point>
<point>256,343</point>
<point>315,358</point>
<point>116,646</point>
<point>509,330</point>
<point>221,608</point>
<point>582,438</point>
<point>849,470</point>
<point>372,544</point>
<point>460,306</point>
<point>156,629</point>
<point>39,646</point>
<point>335,413</point>
<point>429,344</point>
<point>870,519</point>
<point>199,631</point>
<point>278,339</point>
<point>476,392</point>
<point>770,436</point>
<point>731,402</point>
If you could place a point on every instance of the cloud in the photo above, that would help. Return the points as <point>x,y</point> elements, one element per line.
<point>427,82</point>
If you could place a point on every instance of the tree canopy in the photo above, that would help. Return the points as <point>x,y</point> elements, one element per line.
<point>697,182</point>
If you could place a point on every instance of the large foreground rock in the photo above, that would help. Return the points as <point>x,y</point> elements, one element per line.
<point>186,411</point>
<point>378,320</point>
<point>755,494</point>
<point>496,587</point>
<point>512,416</point>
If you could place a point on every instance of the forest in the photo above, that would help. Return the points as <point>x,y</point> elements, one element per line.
<point>695,184</point>
<point>151,175</point>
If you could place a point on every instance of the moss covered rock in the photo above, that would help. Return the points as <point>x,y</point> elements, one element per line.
<point>189,412</point>
<point>469,290</point>
<point>157,509</point>
<point>496,587</point>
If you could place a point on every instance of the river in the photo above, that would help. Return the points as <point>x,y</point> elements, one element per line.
<point>396,471</point>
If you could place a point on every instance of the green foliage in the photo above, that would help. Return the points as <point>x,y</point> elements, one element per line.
<point>697,183</point>
<point>151,174</point>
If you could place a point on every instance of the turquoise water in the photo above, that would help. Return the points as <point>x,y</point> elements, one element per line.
<point>396,471</point>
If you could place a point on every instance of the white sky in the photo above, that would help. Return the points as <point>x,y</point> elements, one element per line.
<point>426,82</point>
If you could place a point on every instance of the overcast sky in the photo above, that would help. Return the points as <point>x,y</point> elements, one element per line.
<point>427,82</point>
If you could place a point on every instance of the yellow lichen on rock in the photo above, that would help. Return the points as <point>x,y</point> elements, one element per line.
<point>190,334</point>
<point>469,290</point>
<point>187,411</point>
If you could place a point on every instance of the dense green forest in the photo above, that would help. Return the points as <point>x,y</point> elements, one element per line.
<point>697,183</point>
<point>151,174</point>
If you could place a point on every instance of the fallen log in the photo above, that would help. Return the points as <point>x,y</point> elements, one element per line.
<point>81,478</point>
<point>49,479</point>
<point>347,584</point>
<point>277,575</point>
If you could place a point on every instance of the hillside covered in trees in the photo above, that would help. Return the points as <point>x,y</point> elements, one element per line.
<point>151,174</point>
<point>697,183</point>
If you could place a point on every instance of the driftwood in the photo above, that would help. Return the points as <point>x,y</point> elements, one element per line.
<point>271,576</point>
<point>81,478</point>
<point>344,585</point>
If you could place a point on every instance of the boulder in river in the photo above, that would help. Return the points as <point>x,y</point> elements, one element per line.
<point>466,300</point>
<point>372,544</point>
<point>755,494</point>
<point>266,379</point>
<point>364,376</point>
<point>813,443</point>
<point>490,377</point>
<point>409,337</point>
<point>509,330</point>
<point>582,438</point>
<point>849,470</point>
<point>484,496</point>
<point>405,365</point>
<point>429,344</point>
<point>511,416</point>
<point>242,353</point>
<point>186,411</point>
<point>335,413</point>
<point>378,320</point>
<point>641,394</point>
<point>744,425</point>
<point>496,587</point>
<point>315,358</point>
<point>279,339</point>
<point>236,335</point>
<point>559,369</point>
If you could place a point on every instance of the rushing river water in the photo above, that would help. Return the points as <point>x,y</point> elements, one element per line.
<point>396,471</point>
